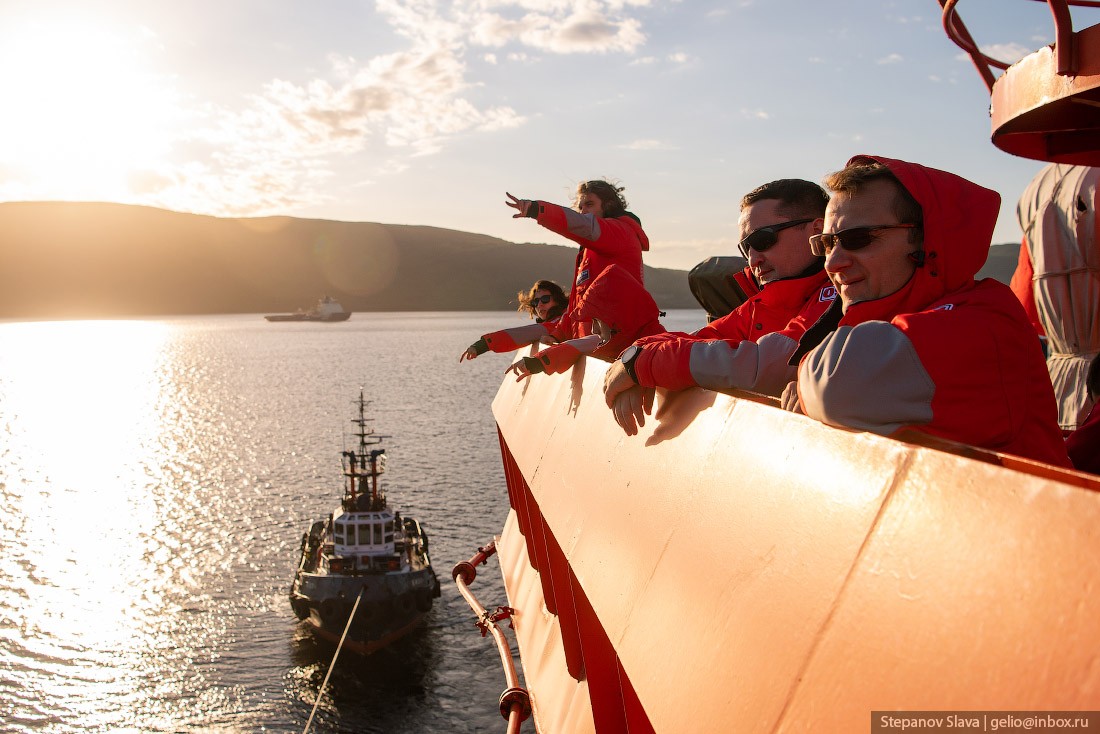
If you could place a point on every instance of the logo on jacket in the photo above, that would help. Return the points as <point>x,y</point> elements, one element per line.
<point>945,307</point>
<point>828,293</point>
<point>582,276</point>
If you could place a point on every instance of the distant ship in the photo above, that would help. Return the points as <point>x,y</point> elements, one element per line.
<point>326,309</point>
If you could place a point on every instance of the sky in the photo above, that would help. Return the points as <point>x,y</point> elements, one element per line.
<point>426,112</point>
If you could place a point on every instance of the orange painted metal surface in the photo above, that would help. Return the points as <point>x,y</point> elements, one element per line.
<point>1040,114</point>
<point>738,568</point>
<point>1046,106</point>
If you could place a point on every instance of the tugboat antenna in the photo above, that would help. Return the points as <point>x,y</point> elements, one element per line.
<point>363,463</point>
<point>364,432</point>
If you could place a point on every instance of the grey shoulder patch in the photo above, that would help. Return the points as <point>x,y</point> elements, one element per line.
<point>757,366</point>
<point>868,377</point>
<point>586,226</point>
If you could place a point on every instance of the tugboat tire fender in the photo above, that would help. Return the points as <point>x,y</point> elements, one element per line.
<point>330,610</point>
<point>423,601</point>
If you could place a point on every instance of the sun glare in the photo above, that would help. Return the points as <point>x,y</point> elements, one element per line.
<point>79,446</point>
<point>83,111</point>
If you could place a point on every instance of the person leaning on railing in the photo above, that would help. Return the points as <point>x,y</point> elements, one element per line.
<point>608,235</point>
<point>546,301</point>
<point>748,348</point>
<point>913,341</point>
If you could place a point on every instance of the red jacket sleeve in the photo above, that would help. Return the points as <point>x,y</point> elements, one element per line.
<point>1023,286</point>
<point>609,237</point>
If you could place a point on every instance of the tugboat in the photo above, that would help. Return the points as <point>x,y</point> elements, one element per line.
<point>364,561</point>
<point>327,309</point>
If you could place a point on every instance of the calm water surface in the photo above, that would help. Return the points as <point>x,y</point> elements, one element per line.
<point>155,480</point>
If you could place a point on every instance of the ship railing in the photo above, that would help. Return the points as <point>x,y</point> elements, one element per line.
<point>1065,47</point>
<point>1046,105</point>
<point>515,702</point>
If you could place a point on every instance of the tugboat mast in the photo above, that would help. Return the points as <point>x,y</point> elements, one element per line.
<point>364,463</point>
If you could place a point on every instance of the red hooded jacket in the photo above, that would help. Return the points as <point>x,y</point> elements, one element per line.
<point>604,242</point>
<point>622,304</point>
<point>677,361</point>
<point>945,354</point>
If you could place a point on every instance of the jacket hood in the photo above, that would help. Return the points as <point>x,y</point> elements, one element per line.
<point>620,301</point>
<point>636,224</point>
<point>959,218</point>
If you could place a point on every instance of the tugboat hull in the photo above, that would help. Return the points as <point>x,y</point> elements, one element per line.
<point>369,646</point>
<point>391,604</point>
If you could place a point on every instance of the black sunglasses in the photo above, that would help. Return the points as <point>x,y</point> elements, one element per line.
<point>763,238</point>
<point>541,299</point>
<point>852,239</point>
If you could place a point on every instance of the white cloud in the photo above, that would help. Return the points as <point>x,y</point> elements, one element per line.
<point>275,152</point>
<point>755,114</point>
<point>570,26</point>
<point>581,32</point>
<point>890,59</point>
<point>678,58</point>
<point>1007,52</point>
<point>644,61</point>
<point>647,144</point>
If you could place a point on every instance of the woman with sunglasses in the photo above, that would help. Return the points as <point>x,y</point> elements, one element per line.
<point>544,302</point>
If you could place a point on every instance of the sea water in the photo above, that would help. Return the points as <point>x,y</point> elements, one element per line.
<point>156,477</point>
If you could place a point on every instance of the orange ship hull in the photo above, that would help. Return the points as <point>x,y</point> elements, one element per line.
<point>738,568</point>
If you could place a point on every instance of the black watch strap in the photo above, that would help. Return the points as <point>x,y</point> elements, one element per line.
<point>628,358</point>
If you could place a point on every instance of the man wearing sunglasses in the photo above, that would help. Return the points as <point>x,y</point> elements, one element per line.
<point>787,290</point>
<point>914,341</point>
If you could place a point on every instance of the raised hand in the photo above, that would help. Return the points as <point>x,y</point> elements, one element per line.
<point>520,205</point>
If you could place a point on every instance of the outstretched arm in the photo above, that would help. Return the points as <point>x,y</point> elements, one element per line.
<point>505,340</point>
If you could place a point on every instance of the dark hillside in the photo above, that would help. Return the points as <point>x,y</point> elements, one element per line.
<point>1001,263</point>
<point>64,260</point>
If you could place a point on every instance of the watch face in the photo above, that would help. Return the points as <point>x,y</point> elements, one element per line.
<point>630,353</point>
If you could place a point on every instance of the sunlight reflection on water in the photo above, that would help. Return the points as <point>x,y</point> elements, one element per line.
<point>155,479</point>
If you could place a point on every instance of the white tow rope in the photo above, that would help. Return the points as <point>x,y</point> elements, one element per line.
<point>332,665</point>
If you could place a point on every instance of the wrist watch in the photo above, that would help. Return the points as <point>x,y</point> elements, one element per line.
<point>628,358</point>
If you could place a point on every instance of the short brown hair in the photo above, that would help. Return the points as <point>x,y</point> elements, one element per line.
<point>609,194</point>
<point>855,176</point>
<point>797,198</point>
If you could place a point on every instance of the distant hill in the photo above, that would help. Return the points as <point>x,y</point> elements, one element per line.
<point>1001,263</point>
<point>77,260</point>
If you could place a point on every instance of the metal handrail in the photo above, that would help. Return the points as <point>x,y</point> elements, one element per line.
<point>1064,45</point>
<point>515,702</point>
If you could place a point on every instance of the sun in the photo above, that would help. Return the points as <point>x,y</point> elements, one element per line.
<point>84,110</point>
